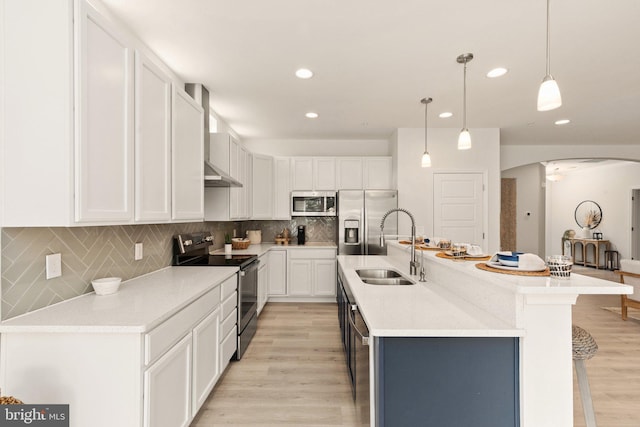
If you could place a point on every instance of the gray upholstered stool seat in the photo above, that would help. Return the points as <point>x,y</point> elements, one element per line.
<point>584,347</point>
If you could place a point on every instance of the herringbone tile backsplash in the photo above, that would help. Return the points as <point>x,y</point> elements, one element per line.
<point>87,253</point>
<point>93,252</point>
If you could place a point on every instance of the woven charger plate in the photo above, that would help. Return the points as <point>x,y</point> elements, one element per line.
<point>420,246</point>
<point>485,267</point>
<point>465,258</point>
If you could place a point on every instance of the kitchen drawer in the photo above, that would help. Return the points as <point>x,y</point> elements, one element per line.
<point>173,329</point>
<point>228,347</point>
<point>229,286</point>
<point>229,305</point>
<point>312,254</point>
<point>229,323</point>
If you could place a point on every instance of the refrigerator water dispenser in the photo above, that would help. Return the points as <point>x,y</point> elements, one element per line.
<point>352,231</point>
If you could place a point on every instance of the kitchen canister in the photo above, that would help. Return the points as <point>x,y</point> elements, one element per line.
<point>255,236</point>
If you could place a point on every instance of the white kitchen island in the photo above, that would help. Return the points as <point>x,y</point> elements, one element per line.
<point>460,301</point>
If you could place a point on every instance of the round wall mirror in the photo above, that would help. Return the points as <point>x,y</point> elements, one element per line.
<point>588,214</point>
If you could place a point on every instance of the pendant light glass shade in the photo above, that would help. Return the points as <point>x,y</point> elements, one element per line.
<point>549,93</point>
<point>426,158</point>
<point>464,139</point>
<point>549,97</point>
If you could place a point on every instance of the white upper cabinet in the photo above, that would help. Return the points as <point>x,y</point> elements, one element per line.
<point>104,140</point>
<point>229,203</point>
<point>282,188</point>
<point>313,173</point>
<point>152,142</point>
<point>324,173</point>
<point>100,152</point>
<point>187,158</point>
<point>220,144</point>
<point>262,187</point>
<point>302,173</point>
<point>349,173</point>
<point>378,173</point>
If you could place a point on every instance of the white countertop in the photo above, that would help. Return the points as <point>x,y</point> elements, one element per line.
<point>261,248</point>
<point>451,302</point>
<point>139,305</point>
<point>574,285</point>
<point>423,309</point>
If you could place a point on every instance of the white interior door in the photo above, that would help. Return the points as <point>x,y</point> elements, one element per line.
<point>458,207</point>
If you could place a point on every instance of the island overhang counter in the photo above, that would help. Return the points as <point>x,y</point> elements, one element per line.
<point>460,304</point>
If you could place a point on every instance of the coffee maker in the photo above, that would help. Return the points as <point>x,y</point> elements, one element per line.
<point>301,234</point>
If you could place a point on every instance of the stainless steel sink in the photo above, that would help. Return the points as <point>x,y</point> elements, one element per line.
<point>388,281</point>
<point>377,273</point>
<point>382,276</point>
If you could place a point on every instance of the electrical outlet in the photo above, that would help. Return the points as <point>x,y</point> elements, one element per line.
<point>138,252</point>
<point>53,264</point>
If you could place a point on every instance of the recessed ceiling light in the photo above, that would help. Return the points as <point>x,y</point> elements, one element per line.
<point>311,115</point>
<point>304,73</point>
<point>445,115</point>
<point>563,121</point>
<point>497,72</point>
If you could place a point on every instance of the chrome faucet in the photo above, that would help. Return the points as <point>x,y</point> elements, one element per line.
<point>413,264</point>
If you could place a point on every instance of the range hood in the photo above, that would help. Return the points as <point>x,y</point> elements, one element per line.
<point>213,176</point>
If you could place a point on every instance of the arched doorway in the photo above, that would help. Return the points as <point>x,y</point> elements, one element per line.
<point>546,195</point>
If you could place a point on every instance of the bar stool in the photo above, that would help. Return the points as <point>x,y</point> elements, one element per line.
<point>584,347</point>
<point>611,260</point>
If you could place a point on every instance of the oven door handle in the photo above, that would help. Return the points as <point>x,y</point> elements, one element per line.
<point>252,266</point>
<point>365,339</point>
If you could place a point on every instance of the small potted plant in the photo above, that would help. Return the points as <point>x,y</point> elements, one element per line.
<point>227,243</point>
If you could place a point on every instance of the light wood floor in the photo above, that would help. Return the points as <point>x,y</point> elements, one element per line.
<point>293,372</point>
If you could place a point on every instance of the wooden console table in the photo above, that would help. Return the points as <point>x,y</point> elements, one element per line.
<point>584,243</point>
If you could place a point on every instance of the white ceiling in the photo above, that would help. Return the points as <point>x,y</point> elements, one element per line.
<point>374,60</point>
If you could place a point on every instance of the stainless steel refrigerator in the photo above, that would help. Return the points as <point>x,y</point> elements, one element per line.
<point>359,216</point>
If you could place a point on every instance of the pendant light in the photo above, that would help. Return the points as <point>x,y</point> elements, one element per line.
<point>426,158</point>
<point>549,93</point>
<point>464,139</point>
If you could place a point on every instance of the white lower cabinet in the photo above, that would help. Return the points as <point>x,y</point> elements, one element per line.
<point>128,378</point>
<point>263,281</point>
<point>312,272</point>
<point>324,277</point>
<point>206,358</point>
<point>167,388</point>
<point>277,272</point>
<point>300,277</point>
<point>228,337</point>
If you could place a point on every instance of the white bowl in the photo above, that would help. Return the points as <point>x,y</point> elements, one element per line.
<point>107,285</point>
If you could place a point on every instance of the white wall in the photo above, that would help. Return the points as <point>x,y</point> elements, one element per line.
<point>610,186</point>
<point>415,184</point>
<point>512,156</point>
<point>530,198</point>
<point>318,147</point>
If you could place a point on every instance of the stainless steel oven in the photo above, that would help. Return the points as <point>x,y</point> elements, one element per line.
<point>193,250</point>
<point>247,305</point>
<point>313,203</point>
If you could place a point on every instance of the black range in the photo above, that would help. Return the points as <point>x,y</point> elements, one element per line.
<point>193,250</point>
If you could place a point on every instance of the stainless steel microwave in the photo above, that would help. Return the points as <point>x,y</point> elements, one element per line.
<point>313,203</point>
